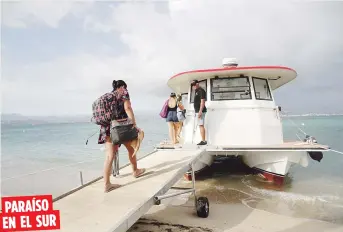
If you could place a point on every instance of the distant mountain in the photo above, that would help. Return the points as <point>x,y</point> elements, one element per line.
<point>15,117</point>
<point>18,118</point>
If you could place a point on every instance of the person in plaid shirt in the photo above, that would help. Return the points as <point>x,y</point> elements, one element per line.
<point>123,113</point>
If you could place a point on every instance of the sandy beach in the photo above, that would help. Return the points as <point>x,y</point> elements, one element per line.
<point>225,217</point>
<point>178,215</point>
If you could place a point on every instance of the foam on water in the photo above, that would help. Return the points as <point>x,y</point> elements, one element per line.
<point>325,206</point>
<point>294,197</point>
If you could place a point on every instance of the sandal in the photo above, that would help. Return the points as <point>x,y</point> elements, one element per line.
<point>140,172</point>
<point>166,143</point>
<point>111,187</point>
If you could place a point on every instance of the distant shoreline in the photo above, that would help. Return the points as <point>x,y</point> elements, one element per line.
<point>21,119</point>
<point>17,118</point>
<point>311,115</point>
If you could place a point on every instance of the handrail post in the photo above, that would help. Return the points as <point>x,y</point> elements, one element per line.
<point>81,178</point>
<point>116,164</point>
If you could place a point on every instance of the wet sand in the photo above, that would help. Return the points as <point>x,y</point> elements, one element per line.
<point>227,218</point>
<point>240,201</point>
<point>178,215</point>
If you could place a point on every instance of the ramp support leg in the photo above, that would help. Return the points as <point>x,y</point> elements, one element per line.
<point>157,199</point>
<point>116,164</point>
<point>201,204</point>
<point>193,184</point>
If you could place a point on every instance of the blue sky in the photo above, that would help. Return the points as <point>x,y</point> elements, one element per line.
<point>59,56</point>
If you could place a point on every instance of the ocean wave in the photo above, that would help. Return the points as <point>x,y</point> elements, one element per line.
<point>293,198</point>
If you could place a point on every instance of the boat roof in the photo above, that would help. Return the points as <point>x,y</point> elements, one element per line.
<point>277,75</point>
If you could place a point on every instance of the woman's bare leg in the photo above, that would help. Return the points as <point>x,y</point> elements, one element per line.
<point>133,160</point>
<point>175,129</point>
<point>171,132</point>
<point>178,130</point>
<point>110,153</point>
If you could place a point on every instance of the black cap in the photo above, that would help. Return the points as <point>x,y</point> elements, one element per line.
<point>194,82</point>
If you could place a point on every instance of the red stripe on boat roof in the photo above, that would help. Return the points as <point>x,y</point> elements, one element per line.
<point>234,68</point>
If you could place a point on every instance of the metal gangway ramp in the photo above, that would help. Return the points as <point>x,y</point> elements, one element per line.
<point>90,209</point>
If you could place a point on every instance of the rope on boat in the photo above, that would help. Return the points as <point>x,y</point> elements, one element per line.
<point>338,152</point>
<point>288,118</point>
<point>298,127</point>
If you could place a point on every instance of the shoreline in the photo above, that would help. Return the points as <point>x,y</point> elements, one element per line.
<point>225,217</point>
<point>177,214</point>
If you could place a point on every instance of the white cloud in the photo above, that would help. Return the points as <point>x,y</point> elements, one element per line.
<point>68,86</point>
<point>201,33</point>
<point>61,86</point>
<point>196,34</point>
<point>21,14</point>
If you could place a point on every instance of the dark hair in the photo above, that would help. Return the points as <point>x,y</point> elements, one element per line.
<point>118,84</point>
<point>179,97</point>
<point>194,82</point>
<point>172,95</point>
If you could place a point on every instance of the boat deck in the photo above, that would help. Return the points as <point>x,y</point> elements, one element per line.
<point>90,209</point>
<point>286,146</point>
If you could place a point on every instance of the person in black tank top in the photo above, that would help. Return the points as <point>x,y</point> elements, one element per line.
<point>172,109</point>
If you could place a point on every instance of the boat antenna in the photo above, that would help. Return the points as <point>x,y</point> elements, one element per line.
<point>229,62</point>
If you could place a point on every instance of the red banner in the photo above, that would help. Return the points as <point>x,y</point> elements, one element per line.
<point>27,213</point>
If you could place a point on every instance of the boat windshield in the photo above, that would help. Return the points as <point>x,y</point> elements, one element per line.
<point>262,91</point>
<point>230,88</point>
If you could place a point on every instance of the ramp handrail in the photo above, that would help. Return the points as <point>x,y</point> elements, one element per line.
<point>96,179</point>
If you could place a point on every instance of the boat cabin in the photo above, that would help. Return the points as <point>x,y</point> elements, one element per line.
<point>241,109</point>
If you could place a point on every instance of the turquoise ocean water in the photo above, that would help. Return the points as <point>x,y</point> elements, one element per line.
<point>47,158</point>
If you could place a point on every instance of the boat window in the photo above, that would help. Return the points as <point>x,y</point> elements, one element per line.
<point>262,91</point>
<point>230,88</point>
<point>203,84</point>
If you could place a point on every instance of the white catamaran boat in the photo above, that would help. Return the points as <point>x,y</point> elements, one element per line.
<point>242,119</point>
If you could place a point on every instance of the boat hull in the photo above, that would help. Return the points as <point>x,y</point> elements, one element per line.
<point>201,165</point>
<point>278,162</point>
<point>270,176</point>
<point>271,165</point>
<point>275,165</point>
